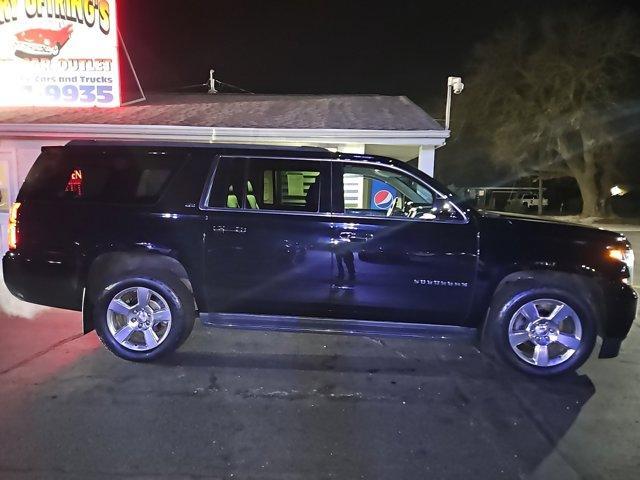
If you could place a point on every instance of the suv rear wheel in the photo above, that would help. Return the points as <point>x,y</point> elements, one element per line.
<point>542,331</point>
<point>141,319</point>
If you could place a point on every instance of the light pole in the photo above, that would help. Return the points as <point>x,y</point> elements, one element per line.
<point>540,193</point>
<point>453,84</point>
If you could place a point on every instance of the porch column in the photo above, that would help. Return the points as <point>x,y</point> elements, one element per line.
<point>426,159</point>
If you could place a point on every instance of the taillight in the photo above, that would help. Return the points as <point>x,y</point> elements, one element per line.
<point>13,226</point>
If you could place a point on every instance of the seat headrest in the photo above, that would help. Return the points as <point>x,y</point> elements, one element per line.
<point>249,187</point>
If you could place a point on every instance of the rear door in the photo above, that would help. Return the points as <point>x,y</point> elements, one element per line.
<point>401,252</point>
<point>268,236</point>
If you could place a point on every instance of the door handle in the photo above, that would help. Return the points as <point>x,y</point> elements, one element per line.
<point>354,237</point>
<point>225,229</point>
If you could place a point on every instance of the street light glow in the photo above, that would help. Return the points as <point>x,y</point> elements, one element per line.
<point>616,191</point>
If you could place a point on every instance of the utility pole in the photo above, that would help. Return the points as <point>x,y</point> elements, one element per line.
<point>539,194</point>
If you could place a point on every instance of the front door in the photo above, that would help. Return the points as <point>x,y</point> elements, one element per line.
<point>267,238</point>
<point>402,252</point>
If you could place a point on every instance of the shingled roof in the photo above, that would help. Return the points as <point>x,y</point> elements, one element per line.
<point>348,112</point>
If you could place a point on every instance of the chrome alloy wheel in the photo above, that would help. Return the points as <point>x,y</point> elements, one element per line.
<point>545,332</point>
<point>139,318</point>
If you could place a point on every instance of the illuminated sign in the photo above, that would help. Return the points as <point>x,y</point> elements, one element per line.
<point>74,185</point>
<point>59,53</point>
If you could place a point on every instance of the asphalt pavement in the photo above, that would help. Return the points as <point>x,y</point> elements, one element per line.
<point>255,405</point>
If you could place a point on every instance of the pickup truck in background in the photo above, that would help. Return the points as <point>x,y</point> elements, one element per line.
<point>531,200</point>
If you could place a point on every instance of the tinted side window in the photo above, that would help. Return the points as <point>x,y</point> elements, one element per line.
<point>372,191</point>
<point>367,190</point>
<point>287,185</point>
<point>265,184</point>
<point>123,178</point>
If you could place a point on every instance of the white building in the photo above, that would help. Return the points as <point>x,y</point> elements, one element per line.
<point>392,126</point>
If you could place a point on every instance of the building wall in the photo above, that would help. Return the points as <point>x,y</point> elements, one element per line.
<point>425,154</point>
<point>400,152</point>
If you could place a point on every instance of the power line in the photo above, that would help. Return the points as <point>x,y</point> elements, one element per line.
<point>186,87</point>
<point>234,86</point>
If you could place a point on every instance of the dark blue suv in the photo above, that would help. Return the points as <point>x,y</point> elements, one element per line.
<point>144,238</point>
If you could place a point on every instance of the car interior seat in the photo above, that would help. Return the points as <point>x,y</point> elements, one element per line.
<point>252,202</point>
<point>232,199</point>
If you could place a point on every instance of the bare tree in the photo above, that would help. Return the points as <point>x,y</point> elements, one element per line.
<point>546,94</point>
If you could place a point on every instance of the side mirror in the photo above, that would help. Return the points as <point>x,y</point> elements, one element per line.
<point>443,209</point>
<point>438,203</point>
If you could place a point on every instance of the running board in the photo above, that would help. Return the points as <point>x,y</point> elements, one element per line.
<point>337,326</point>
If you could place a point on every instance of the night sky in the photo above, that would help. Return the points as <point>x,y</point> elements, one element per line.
<point>305,46</point>
<point>311,46</point>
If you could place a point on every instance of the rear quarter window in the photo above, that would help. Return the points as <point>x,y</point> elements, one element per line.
<point>121,178</point>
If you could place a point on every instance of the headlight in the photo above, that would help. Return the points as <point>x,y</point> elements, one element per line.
<point>626,256</point>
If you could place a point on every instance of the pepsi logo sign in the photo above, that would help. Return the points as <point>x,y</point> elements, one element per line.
<point>382,199</point>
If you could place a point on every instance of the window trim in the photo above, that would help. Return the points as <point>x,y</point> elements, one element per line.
<point>204,198</point>
<point>206,194</point>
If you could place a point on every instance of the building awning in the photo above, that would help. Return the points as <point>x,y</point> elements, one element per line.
<point>371,119</point>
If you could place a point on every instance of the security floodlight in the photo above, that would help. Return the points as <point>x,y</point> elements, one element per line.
<point>456,84</point>
<point>453,84</point>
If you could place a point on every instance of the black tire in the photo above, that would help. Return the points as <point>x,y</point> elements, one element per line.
<point>509,299</point>
<point>181,304</point>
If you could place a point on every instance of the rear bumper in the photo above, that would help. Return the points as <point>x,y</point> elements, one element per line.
<point>620,304</point>
<point>11,278</point>
<point>37,281</point>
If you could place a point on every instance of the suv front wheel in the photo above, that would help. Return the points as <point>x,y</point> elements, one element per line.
<point>542,331</point>
<point>141,319</point>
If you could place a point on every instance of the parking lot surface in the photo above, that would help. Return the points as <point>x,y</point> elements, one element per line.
<point>255,405</point>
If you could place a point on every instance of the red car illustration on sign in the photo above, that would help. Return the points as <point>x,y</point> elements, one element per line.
<point>41,42</point>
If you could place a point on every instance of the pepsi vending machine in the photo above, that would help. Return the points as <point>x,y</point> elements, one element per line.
<point>381,195</point>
